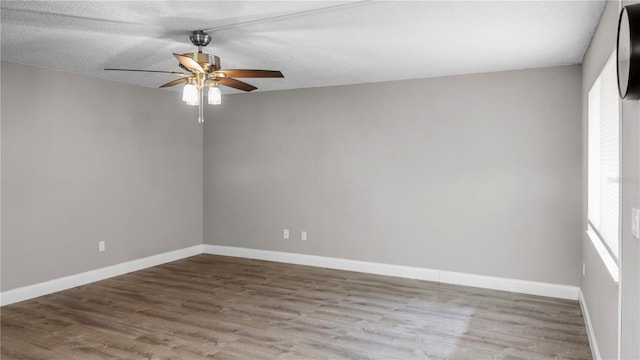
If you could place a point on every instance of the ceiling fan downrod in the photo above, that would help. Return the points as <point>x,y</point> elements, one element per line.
<point>200,39</point>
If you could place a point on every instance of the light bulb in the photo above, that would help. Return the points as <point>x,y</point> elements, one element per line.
<point>215,96</point>
<point>190,95</point>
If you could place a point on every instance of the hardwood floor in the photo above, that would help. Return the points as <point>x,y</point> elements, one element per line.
<point>214,307</point>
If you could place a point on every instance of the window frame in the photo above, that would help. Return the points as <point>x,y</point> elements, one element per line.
<point>610,257</point>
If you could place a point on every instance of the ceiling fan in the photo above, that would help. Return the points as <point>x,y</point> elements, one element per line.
<point>204,71</point>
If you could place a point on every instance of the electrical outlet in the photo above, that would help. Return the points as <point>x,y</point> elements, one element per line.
<point>303,235</point>
<point>584,269</point>
<point>285,234</point>
<point>101,246</point>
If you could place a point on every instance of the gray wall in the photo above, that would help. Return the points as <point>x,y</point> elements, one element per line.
<point>630,258</point>
<point>477,174</point>
<point>614,310</point>
<point>630,246</point>
<point>85,160</point>
<point>599,289</point>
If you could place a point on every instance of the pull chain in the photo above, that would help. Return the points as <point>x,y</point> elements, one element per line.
<point>201,107</point>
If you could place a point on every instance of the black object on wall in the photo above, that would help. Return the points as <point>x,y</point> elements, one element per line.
<point>628,52</point>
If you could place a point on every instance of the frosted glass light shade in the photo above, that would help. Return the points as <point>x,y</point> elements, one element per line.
<point>190,94</point>
<point>215,96</point>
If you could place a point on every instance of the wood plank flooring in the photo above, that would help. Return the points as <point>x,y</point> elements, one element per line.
<point>215,307</point>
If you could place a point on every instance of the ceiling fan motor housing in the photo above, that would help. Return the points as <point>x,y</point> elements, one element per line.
<point>208,62</point>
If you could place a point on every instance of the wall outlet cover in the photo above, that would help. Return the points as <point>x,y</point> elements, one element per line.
<point>635,222</point>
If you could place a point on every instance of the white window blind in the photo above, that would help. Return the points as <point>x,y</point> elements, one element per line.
<point>604,158</point>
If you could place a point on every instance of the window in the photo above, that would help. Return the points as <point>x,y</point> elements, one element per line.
<point>604,165</point>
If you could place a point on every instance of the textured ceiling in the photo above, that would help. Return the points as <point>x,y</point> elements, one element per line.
<point>313,43</point>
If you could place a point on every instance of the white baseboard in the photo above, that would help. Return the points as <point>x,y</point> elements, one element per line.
<point>595,350</point>
<point>68,282</point>
<point>449,277</point>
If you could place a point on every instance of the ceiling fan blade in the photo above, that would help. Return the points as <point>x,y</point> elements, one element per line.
<point>176,73</point>
<point>248,73</point>
<point>189,63</point>
<point>174,82</point>
<point>236,84</point>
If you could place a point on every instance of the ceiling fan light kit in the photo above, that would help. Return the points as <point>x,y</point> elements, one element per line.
<point>190,94</point>
<point>204,72</point>
<point>215,95</point>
